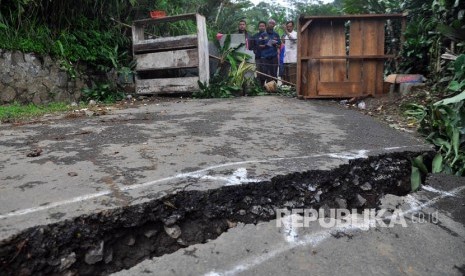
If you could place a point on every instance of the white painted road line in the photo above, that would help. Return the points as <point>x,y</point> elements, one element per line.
<point>348,155</point>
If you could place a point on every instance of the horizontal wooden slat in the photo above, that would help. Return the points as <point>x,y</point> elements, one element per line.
<point>165,19</point>
<point>165,43</point>
<point>168,59</point>
<point>170,85</point>
<point>353,16</point>
<point>341,89</point>
<point>351,57</point>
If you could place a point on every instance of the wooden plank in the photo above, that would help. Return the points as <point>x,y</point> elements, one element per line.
<point>305,26</point>
<point>300,37</point>
<point>202,48</point>
<point>168,59</point>
<point>370,44</point>
<point>326,49</point>
<point>339,89</point>
<point>170,85</point>
<point>353,16</point>
<point>148,21</point>
<point>302,66</point>
<point>313,43</point>
<point>379,76</point>
<point>165,43</point>
<point>355,50</point>
<point>354,57</point>
<point>137,34</point>
<point>339,49</point>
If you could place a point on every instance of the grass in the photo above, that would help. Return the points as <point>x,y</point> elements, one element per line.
<point>16,111</point>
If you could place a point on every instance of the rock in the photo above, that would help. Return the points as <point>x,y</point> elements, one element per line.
<point>270,211</point>
<point>129,97</point>
<point>130,240</point>
<point>341,203</point>
<point>62,80</point>
<point>247,200</point>
<point>366,186</point>
<point>92,103</point>
<point>150,233</point>
<point>17,58</point>
<point>35,152</point>
<point>290,204</point>
<point>231,224</point>
<point>317,196</point>
<point>359,201</point>
<point>67,262</point>
<point>242,212</point>
<point>173,231</point>
<point>391,202</point>
<point>95,255</point>
<point>74,104</point>
<point>108,256</point>
<point>171,219</point>
<point>257,210</point>
<point>8,95</point>
<point>181,242</point>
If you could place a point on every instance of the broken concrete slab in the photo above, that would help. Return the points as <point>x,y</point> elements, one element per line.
<point>132,156</point>
<point>433,245</point>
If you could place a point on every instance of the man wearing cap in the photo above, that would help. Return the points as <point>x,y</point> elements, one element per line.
<point>269,43</point>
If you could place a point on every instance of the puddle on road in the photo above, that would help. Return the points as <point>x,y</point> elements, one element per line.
<point>109,241</point>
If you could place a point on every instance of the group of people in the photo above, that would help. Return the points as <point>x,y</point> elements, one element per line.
<point>273,54</point>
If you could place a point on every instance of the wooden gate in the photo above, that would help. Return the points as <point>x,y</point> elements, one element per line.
<point>170,64</point>
<point>341,56</point>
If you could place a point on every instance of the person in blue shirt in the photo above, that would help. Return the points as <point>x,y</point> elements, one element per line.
<point>282,50</point>
<point>269,43</point>
<point>254,46</point>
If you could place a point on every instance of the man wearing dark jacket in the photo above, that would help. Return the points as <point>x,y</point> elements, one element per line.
<point>254,46</point>
<point>269,43</point>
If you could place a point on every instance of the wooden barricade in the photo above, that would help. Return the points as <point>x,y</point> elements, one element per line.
<point>170,64</point>
<point>341,56</point>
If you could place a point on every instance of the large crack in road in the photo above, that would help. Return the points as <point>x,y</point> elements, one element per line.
<point>116,239</point>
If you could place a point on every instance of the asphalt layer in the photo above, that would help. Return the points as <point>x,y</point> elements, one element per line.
<point>134,155</point>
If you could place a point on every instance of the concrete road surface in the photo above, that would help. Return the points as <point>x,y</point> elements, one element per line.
<point>129,156</point>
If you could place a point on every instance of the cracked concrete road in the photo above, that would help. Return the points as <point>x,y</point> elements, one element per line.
<point>138,154</point>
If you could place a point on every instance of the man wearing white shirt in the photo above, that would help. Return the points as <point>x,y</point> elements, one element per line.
<point>290,54</point>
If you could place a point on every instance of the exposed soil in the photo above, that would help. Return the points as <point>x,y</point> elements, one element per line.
<point>105,242</point>
<point>390,108</point>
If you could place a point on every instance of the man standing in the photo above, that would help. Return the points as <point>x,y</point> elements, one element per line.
<point>269,43</point>
<point>242,29</point>
<point>254,46</point>
<point>290,54</point>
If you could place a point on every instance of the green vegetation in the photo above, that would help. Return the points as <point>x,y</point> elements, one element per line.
<point>102,92</point>
<point>16,111</point>
<point>233,77</point>
<point>443,124</point>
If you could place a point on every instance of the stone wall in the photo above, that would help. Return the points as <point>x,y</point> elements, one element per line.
<point>29,78</point>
